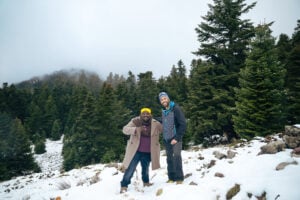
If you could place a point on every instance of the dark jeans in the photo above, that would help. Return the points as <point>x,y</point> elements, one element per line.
<point>145,159</point>
<point>174,161</point>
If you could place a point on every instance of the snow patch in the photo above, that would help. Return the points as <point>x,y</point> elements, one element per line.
<point>52,159</point>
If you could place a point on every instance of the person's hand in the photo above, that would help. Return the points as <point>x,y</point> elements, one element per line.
<point>174,142</point>
<point>137,122</point>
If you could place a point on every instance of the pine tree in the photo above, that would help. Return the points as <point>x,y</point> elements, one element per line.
<point>126,92</point>
<point>202,101</point>
<point>292,83</point>
<point>284,47</point>
<point>5,122</point>
<point>78,147</point>
<point>146,93</point>
<point>77,99</point>
<point>50,115</point>
<point>261,94</point>
<point>33,124</point>
<point>14,101</point>
<point>56,130</point>
<point>176,83</point>
<point>37,122</point>
<point>224,37</point>
<point>40,145</point>
<point>112,116</point>
<point>16,157</point>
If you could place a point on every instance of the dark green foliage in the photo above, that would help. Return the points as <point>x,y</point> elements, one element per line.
<point>114,79</point>
<point>4,146</point>
<point>77,99</point>
<point>261,94</point>
<point>96,136</point>
<point>78,148</point>
<point>41,114</point>
<point>224,37</point>
<point>49,115</point>
<point>112,116</point>
<point>15,152</point>
<point>109,156</point>
<point>292,82</point>
<point>203,101</point>
<point>62,97</point>
<point>39,146</point>
<point>147,93</point>
<point>56,131</point>
<point>127,93</point>
<point>14,102</point>
<point>176,84</point>
<point>283,48</point>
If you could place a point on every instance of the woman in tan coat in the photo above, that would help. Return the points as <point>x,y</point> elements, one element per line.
<point>143,146</point>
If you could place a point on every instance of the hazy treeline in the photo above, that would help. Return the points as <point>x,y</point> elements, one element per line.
<point>242,82</point>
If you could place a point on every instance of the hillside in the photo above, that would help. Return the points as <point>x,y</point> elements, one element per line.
<point>207,177</point>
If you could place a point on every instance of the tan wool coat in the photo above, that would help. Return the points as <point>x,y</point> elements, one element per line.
<point>134,142</point>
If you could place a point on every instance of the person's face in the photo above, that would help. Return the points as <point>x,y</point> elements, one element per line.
<point>164,101</point>
<point>145,116</point>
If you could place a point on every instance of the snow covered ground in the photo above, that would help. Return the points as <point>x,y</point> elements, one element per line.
<point>256,175</point>
<point>52,159</point>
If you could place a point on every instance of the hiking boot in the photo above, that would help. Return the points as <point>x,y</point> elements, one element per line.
<point>179,182</point>
<point>170,181</point>
<point>123,190</point>
<point>148,184</point>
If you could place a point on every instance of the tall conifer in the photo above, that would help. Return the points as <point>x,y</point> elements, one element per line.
<point>260,96</point>
<point>224,37</point>
<point>293,78</point>
<point>147,93</point>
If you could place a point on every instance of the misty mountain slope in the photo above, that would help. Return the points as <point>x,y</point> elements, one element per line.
<point>207,177</point>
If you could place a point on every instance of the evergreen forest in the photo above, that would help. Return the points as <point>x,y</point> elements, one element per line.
<point>243,82</point>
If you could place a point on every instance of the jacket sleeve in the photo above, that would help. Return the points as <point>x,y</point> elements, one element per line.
<point>180,123</point>
<point>158,125</point>
<point>130,128</point>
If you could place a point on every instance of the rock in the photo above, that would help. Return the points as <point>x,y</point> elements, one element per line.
<point>291,136</point>
<point>211,164</point>
<point>219,155</point>
<point>231,154</point>
<point>218,174</point>
<point>292,131</point>
<point>296,152</point>
<point>187,175</point>
<point>193,183</point>
<point>282,165</point>
<point>272,147</point>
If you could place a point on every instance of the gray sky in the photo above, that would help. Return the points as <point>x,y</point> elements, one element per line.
<point>39,37</point>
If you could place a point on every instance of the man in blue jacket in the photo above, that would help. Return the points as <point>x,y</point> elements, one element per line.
<point>174,127</point>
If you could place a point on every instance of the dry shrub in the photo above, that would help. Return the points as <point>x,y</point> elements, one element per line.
<point>233,191</point>
<point>159,192</point>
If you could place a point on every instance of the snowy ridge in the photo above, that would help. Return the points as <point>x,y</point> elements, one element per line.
<point>256,175</point>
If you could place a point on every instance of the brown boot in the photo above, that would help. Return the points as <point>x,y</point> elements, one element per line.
<point>179,182</point>
<point>148,184</point>
<point>123,190</point>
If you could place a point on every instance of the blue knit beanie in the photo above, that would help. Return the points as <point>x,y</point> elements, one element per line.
<point>163,94</point>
